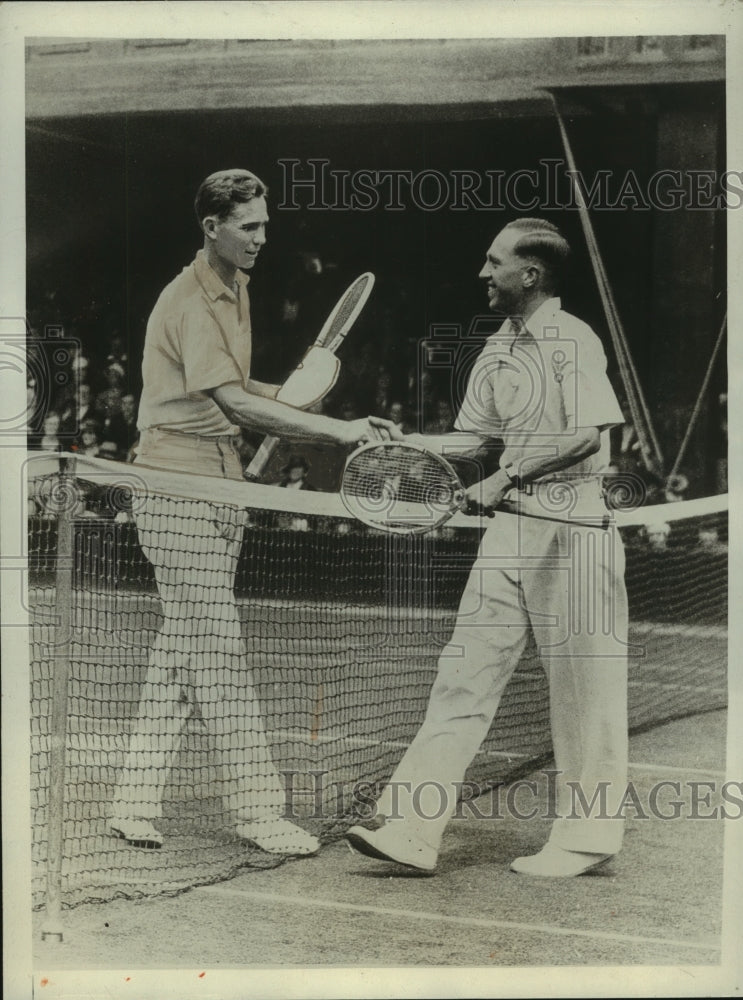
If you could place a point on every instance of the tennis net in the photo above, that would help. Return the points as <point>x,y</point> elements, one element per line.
<point>315,641</point>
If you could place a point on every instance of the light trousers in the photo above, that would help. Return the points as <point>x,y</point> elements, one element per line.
<point>567,585</point>
<point>198,659</point>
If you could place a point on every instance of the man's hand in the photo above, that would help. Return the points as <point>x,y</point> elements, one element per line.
<point>485,496</point>
<point>357,432</point>
<point>416,439</point>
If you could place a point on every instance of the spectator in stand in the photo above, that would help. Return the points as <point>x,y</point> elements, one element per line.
<point>421,395</point>
<point>348,410</point>
<point>79,363</point>
<point>90,439</point>
<point>78,409</point>
<point>109,400</point>
<point>108,409</point>
<point>382,397</point>
<point>294,474</point>
<point>50,436</point>
<point>117,353</point>
<point>443,418</point>
<point>121,427</point>
<point>294,477</point>
<point>69,372</point>
<point>396,414</point>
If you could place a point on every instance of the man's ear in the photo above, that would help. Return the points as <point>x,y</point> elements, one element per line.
<point>532,275</point>
<point>209,225</point>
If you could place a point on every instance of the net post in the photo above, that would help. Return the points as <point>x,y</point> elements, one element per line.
<point>52,928</point>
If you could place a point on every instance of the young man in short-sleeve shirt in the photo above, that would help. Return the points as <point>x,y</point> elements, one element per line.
<point>197,395</point>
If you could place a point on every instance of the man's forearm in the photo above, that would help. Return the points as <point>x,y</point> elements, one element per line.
<point>548,455</point>
<point>264,389</point>
<point>553,454</point>
<point>260,413</point>
<point>460,444</point>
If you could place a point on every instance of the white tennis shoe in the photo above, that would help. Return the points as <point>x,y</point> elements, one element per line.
<point>556,862</point>
<point>279,836</point>
<point>390,843</point>
<point>137,832</point>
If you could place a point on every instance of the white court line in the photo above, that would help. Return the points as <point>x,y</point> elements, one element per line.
<point>404,612</point>
<point>80,742</point>
<point>671,769</point>
<point>511,925</point>
<point>361,741</point>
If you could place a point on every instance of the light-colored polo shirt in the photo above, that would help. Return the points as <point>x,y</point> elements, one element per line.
<point>539,380</point>
<point>198,338</point>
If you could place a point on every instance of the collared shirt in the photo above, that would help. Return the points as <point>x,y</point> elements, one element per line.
<point>539,380</point>
<point>198,338</point>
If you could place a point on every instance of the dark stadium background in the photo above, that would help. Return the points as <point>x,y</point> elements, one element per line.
<point>110,221</point>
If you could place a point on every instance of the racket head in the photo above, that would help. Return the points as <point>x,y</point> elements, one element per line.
<point>345,312</point>
<point>400,488</point>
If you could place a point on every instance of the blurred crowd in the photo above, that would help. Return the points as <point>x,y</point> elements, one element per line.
<point>84,378</point>
<point>77,405</point>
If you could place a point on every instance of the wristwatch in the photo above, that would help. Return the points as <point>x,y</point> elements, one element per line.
<point>514,478</point>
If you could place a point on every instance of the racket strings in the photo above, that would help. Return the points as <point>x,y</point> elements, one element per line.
<point>389,477</point>
<point>353,297</point>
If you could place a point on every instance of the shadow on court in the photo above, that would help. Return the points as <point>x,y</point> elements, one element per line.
<point>658,903</point>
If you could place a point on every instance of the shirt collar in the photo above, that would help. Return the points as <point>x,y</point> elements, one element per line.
<point>210,281</point>
<point>540,318</point>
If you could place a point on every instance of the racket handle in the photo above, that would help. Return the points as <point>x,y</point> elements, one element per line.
<point>511,507</point>
<point>262,457</point>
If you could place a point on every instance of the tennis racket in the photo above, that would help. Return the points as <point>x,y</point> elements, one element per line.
<point>404,488</point>
<point>313,379</point>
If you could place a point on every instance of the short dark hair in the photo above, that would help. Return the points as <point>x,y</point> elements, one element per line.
<point>222,190</point>
<point>296,462</point>
<point>543,241</point>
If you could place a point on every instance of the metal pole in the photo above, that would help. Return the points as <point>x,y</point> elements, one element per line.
<point>700,399</point>
<point>52,926</point>
<point>649,446</point>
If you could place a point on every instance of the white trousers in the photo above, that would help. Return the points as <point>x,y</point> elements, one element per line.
<point>198,659</point>
<point>567,585</point>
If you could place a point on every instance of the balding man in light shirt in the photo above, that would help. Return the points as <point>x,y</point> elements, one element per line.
<point>540,385</point>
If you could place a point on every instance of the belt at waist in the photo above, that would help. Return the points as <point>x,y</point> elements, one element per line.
<point>577,482</point>
<point>209,438</point>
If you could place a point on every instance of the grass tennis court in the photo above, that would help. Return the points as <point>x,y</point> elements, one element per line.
<point>344,696</point>
<point>343,630</point>
<point>658,903</point>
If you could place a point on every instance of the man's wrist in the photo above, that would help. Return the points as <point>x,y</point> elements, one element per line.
<point>512,477</point>
<point>502,480</point>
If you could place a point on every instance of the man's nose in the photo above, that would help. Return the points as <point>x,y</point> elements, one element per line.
<point>484,272</point>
